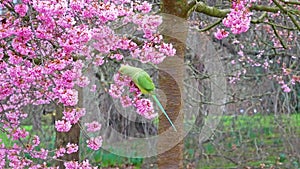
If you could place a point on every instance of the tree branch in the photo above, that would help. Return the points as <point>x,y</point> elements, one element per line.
<point>288,13</point>
<point>279,37</point>
<point>291,2</point>
<point>210,26</point>
<point>211,11</point>
<point>221,13</point>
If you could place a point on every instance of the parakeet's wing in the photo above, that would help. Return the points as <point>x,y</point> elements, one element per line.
<point>143,80</point>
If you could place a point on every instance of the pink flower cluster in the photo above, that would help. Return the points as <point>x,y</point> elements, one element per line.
<point>288,79</point>
<point>71,116</point>
<point>44,48</point>
<point>144,107</point>
<point>69,149</point>
<point>93,126</point>
<point>95,143</point>
<point>221,33</point>
<point>238,20</point>
<point>21,9</point>
<point>153,51</point>
<point>75,165</point>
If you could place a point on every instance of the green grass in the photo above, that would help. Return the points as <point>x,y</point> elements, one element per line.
<point>246,133</point>
<point>107,159</point>
<point>250,135</point>
<point>7,141</point>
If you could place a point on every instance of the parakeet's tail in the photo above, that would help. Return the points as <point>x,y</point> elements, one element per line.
<point>163,110</point>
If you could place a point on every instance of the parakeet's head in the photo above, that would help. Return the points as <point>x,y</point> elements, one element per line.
<point>129,70</point>
<point>122,69</point>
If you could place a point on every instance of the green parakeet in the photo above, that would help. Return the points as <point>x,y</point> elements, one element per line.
<point>143,81</point>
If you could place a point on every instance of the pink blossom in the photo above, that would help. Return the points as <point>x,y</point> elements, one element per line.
<point>238,20</point>
<point>118,57</point>
<point>93,88</point>
<point>73,115</point>
<point>71,148</point>
<point>60,152</point>
<point>82,81</point>
<point>72,165</point>
<point>286,88</point>
<point>145,108</point>
<point>2,155</point>
<point>68,97</point>
<point>40,154</point>
<point>95,142</point>
<point>116,91</point>
<point>39,166</point>
<point>221,33</point>
<point>66,21</point>
<point>46,54</point>
<point>145,7</point>
<point>86,165</point>
<point>99,60</point>
<point>167,49</point>
<point>63,125</point>
<point>93,126</point>
<point>126,101</point>
<point>157,38</point>
<point>134,89</point>
<point>13,117</point>
<point>21,9</point>
<point>19,133</point>
<point>36,141</point>
<point>241,53</point>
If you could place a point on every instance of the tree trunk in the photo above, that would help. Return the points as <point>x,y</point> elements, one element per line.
<point>73,136</point>
<point>172,87</point>
<point>173,158</point>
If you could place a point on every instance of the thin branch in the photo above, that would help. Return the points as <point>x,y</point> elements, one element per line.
<point>260,19</point>
<point>210,26</point>
<point>294,21</point>
<point>272,9</point>
<point>279,37</point>
<point>280,26</point>
<point>288,13</point>
<point>280,6</point>
<point>291,2</point>
<point>221,13</point>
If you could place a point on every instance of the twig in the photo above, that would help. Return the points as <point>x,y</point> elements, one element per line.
<point>279,37</point>
<point>210,26</point>
<point>288,13</point>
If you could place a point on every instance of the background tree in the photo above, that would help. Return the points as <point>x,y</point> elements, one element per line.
<point>258,42</point>
<point>45,48</point>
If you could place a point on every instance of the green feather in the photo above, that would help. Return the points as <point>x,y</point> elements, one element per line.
<point>144,81</point>
<point>163,110</point>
